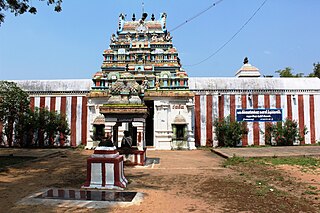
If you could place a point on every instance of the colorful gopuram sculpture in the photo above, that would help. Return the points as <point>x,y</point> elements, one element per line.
<point>142,65</point>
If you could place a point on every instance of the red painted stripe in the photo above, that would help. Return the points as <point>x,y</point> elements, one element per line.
<point>278,101</point>
<point>72,194</point>
<point>63,105</point>
<point>61,193</point>
<point>53,104</point>
<point>40,132</point>
<point>312,120</point>
<point>63,109</point>
<point>232,107</point>
<point>103,170</point>
<point>83,193</point>
<point>84,117</point>
<point>301,115</point>
<point>267,101</point>
<point>32,103</point>
<point>50,193</point>
<point>267,133</point>
<point>209,141</point>
<point>244,106</point>
<point>1,130</point>
<point>289,107</point>
<point>221,107</point>
<point>73,129</point>
<point>42,102</point>
<point>87,183</point>
<point>136,158</point>
<point>103,196</point>
<point>256,130</point>
<point>197,133</point>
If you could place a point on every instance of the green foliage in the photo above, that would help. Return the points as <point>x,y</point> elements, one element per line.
<point>287,133</point>
<point>234,161</point>
<point>316,70</point>
<point>19,7</point>
<point>42,127</point>
<point>37,127</point>
<point>287,73</point>
<point>296,161</point>
<point>228,133</point>
<point>306,162</point>
<point>13,104</point>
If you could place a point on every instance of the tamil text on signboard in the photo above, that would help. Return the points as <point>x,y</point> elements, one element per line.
<point>259,115</point>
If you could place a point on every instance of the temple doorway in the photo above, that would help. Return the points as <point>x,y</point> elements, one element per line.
<point>149,123</point>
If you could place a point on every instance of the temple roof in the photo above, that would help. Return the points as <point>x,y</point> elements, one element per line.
<point>247,70</point>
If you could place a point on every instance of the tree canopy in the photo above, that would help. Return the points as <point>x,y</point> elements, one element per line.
<point>19,7</point>
<point>13,104</point>
<point>316,70</point>
<point>36,127</point>
<point>287,73</point>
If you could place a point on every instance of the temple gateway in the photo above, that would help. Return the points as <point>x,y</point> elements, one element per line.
<point>143,91</point>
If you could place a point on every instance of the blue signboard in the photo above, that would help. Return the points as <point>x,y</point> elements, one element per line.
<point>259,115</point>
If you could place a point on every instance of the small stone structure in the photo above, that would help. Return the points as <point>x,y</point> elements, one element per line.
<point>105,169</point>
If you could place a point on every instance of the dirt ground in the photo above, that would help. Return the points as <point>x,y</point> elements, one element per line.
<point>184,181</point>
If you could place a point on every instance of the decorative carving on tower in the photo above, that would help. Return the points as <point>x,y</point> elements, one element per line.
<point>144,49</point>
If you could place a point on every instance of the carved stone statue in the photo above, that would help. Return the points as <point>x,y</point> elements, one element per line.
<point>106,141</point>
<point>145,83</point>
<point>168,37</point>
<point>128,36</point>
<point>113,38</point>
<point>126,140</point>
<point>154,37</point>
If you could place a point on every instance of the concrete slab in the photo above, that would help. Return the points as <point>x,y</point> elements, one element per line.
<point>77,202</point>
<point>255,152</point>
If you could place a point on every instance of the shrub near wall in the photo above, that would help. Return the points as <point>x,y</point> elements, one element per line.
<point>286,133</point>
<point>228,133</point>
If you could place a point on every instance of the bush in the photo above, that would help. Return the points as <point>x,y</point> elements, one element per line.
<point>287,133</point>
<point>228,133</point>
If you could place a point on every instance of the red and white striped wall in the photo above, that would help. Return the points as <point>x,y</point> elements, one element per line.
<point>74,107</point>
<point>304,108</point>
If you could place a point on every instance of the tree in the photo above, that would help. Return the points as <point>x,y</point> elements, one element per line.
<point>287,73</point>
<point>287,133</point>
<point>316,70</point>
<point>14,102</point>
<point>19,7</point>
<point>228,132</point>
<point>41,127</point>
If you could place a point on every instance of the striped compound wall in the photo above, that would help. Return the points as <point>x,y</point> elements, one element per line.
<point>299,99</point>
<point>74,107</point>
<point>296,107</point>
<point>65,96</point>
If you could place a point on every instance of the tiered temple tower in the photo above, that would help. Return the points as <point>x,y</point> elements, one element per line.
<point>142,55</point>
<point>144,49</point>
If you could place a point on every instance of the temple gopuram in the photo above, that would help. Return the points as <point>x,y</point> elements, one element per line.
<point>142,88</point>
<point>143,95</point>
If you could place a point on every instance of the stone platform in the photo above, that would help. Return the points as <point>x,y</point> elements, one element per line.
<point>82,198</point>
<point>133,156</point>
<point>105,170</point>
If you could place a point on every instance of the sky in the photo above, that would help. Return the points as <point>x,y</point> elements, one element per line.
<point>69,45</point>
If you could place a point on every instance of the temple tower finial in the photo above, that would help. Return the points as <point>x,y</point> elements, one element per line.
<point>246,60</point>
<point>142,7</point>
